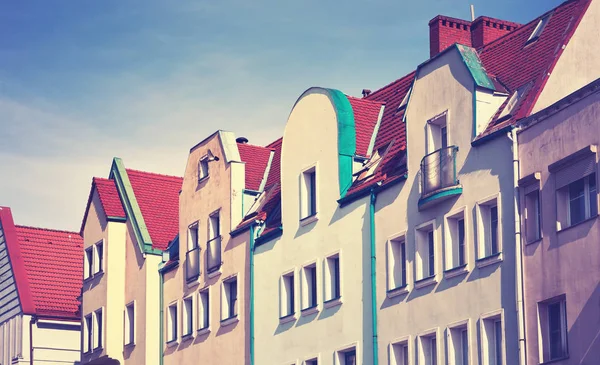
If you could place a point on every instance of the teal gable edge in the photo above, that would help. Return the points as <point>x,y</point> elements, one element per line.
<point>132,209</point>
<point>471,60</point>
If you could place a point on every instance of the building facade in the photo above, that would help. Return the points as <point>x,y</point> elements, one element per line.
<point>558,160</point>
<point>41,281</point>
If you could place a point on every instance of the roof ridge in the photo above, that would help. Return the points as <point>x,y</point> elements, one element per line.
<point>47,229</point>
<point>370,96</point>
<point>277,141</point>
<point>254,145</point>
<point>365,100</point>
<point>155,174</point>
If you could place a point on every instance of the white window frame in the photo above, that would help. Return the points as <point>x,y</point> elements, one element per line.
<point>204,327</point>
<point>226,317</point>
<point>305,287</point>
<point>99,329</point>
<point>539,28</point>
<point>544,328</point>
<point>488,329</point>
<point>129,325</point>
<point>394,354</point>
<point>193,234</point>
<point>88,333</point>
<point>306,216</point>
<point>285,295</point>
<point>451,242</point>
<point>434,128</point>
<point>203,168</point>
<point>329,281</point>
<point>397,285</point>
<point>423,272</point>
<point>424,346</point>
<point>88,260</point>
<point>172,328</point>
<point>98,263</point>
<point>484,240</point>
<point>455,341</point>
<point>532,227</point>
<point>316,358</point>
<point>186,312</point>
<point>564,199</point>
<point>214,232</point>
<point>339,354</point>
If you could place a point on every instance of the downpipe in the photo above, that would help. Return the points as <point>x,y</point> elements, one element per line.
<point>373,277</point>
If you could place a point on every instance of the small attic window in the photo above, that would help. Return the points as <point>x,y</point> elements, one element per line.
<point>539,28</point>
<point>405,100</point>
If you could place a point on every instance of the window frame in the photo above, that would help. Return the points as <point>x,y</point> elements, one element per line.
<point>452,249</point>
<point>423,274</point>
<point>98,329</point>
<point>484,234</point>
<point>287,298</point>
<point>88,335</point>
<point>423,352</point>
<point>393,256</point>
<point>227,308</point>
<point>340,354</point>
<point>203,310</point>
<point>187,317</point>
<point>99,257</point>
<point>539,28</point>
<point>492,318</point>
<point>309,198</point>
<point>307,305</point>
<point>203,170</point>
<point>455,331</point>
<point>538,214</point>
<point>407,346</point>
<point>544,345</point>
<point>132,325</point>
<point>332,288</point>
<point>563,195</point>
<point>172,327</point>
<point>434,141</point>
<point>88,260</point>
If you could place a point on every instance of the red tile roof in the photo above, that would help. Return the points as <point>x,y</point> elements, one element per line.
<point>256,159</point>
<point>366,114</point>
<point>109,197</point>
<point>158,198</point>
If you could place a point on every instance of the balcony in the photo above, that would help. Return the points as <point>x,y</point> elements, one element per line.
<point>438,177</point>
<point>213,255</point>
<point>192,264</point>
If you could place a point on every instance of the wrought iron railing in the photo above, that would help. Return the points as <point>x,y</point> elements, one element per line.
<point>213,254</point>
<point>438,170</point>
<point>192,264</point>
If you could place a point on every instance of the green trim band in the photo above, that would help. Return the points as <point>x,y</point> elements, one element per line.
<point>373,200</point>
<point>424,202</point>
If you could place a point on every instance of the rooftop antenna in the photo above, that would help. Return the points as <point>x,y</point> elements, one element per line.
<point>472,12</point>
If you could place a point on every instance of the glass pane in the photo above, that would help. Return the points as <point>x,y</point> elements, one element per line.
<point>350,358</point>
<point>431,252</point>
<point>498,342</point>
<point>555,331</point>
<point>433,348</point>
<point>405,355</point>
<point>592,198</point>
<point>464,340</point>
<point>494,229</point>
<point>577,201</point>
<point>403,258</point>
<point>461,242</point>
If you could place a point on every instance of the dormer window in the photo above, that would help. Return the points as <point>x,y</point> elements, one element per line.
<point>203,168</point>
<point>404,102</point>
<point>437,133</point>
<point>539,28</point>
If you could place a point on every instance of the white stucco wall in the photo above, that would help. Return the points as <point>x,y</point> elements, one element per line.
<point>310,139</point>
<point>445,84</point>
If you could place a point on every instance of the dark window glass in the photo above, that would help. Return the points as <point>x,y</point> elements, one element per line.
<point>461,241</point>
<point>593,192</point>
<point>350,358</point>
<point>433,348</point>
<point>494,229</point>
<point>100,249</point>
<point>555,331</point>
<point>444,133</point>
<point>403,258</point>
<point>577,201</point>
<point>464,341</point>
<point>313,287</point>
<point>313,194</point>
<point>232,298</point>
<point>336,277</point>
<point>431,248</point>
<point>498,341</point>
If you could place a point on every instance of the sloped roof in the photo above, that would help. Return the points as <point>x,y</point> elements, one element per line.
<point>109,197</point>
<point>517,64</point>
<point>158,198</point>
<point>366,115</point>
<point>257,160</point>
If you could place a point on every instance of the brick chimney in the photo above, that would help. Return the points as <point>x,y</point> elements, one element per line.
<point>485,30</point>
<point>444,31</point>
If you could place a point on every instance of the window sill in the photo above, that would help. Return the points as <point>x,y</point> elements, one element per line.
<point>172,343</point>
<point>129,345</point>
<point>214,273</point>
<point>527,243</point>
<point>577,224</point>
<point>310,310</point>
<point>193,283</point>
<point>229,321</point>
<point>308,220</point>
<point>456,271</point>
<point>555,360</point>
<point>203,179</point>
<point>187,336</point>
<point>99,348</point>
<point>287,319</point>
<point>333,302</point>
<point>489,260</point>
<point>397,291</point>
<point>203,331</point>
<point>425,282</point>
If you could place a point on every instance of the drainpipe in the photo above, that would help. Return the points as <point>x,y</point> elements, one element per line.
<point>161,335</point>
<point>519,249</point>
<point>252,294</point>
<point>373,277</point>
<point>31,322</point>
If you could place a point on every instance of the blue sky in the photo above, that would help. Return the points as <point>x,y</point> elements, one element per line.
<point>84,81</point>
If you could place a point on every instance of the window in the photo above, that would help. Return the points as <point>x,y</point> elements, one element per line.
<point>428,353</point>
<point>314,361</point>
<point>455,241</point>
<point>214,243</point>
<point>347,357</point>
<point>88,271</point>
<point>553,329</point>
<point>98,262</point>
<point>229,299</point>
<point>458,344</point>
<point>129,334</point>
<point>287,295</point>
<point>98,329</point>
<point>192,256</point>
<point>203,168</point>
<point>332,277</point>
<point>214,225</point>
<point>396,263</point>
<point>577,201</point>
<point>492,340</point>
<point>437,133</point>
<point>204,310</point>
<point>538,29</point>
<point>308,193</point>
<point>533,216</point>
<point>309,287</point>
<point>87,333</point>
<point>188,316</point>
<point>489,228</point>
<point>425,255</point>
<point>193,236</point>
<point>172,323</point>
<point>399,353</point>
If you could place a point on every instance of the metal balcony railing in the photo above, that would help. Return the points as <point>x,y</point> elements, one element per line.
<point>213,254</point>
<point>192,264</point>
<point>438,170</point>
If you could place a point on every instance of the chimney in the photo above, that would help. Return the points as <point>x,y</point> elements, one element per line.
<point>444,31</point>
<point>485,30</point>
<point>242,140</point>
<point>366,92</point>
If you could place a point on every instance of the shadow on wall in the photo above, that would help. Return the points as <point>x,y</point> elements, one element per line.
<point>584,335</point>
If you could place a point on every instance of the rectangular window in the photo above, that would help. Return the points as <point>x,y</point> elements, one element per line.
<point>538,29</point>
<point>229,308</point>
<point>458,344</point>
<point>455,241</point>
<point>98,329</point>
<point>203,168</point>
<point>214,243</point>
<point>308,193</point>
<point>88,270</point>
<point>332,266</point>
<point>204,309</point>
<point>214,225</point>
<point>129,334</point>
<point>87,333</point>
<point>188,316</point>
<point>553,329</point>
<point>437,133</point>
<point>287,297</point>
<point>431,253</point>
<point>425,255</point>
<point>428,351</point>
<point>314,361</point>
<point>98,262</point>
<point>309,289</point>
<point>348,357</point>
<point>192,236</point>
<point>396,263</point>
<point>492,340</point>
<point>399,353</point>
<point>192,256</point>
<point>489,229</point>
<point>533,216</point>
<point>172,323</point>
<point>581,199</point>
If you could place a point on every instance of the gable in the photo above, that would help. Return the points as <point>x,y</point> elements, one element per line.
<point>9,304</point>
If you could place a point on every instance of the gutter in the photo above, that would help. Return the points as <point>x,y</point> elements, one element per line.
<point>161,293</point>
<point>512,135</point>
<point>373,276</point>
<point>379,187</point>
<point>252,294</point>
<point>491,136</point>
<point>31,322</point>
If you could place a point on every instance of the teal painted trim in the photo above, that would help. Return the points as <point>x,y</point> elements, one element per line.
<point>132,209</point>
<point>346,138</point>
<point>471,59</point>
<point>252,294</point>
<point>276,233</point>
<point>441,194</point>
<point>373,278</point>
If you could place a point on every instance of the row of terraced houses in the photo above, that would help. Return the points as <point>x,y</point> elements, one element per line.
<point>450,217</point>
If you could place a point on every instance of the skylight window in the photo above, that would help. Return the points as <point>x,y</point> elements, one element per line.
<point>405,100</point>
<point>539,28</point>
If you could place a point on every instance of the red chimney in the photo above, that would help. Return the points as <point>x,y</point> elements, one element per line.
<point>445,31</point>
<point>485,30</point>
